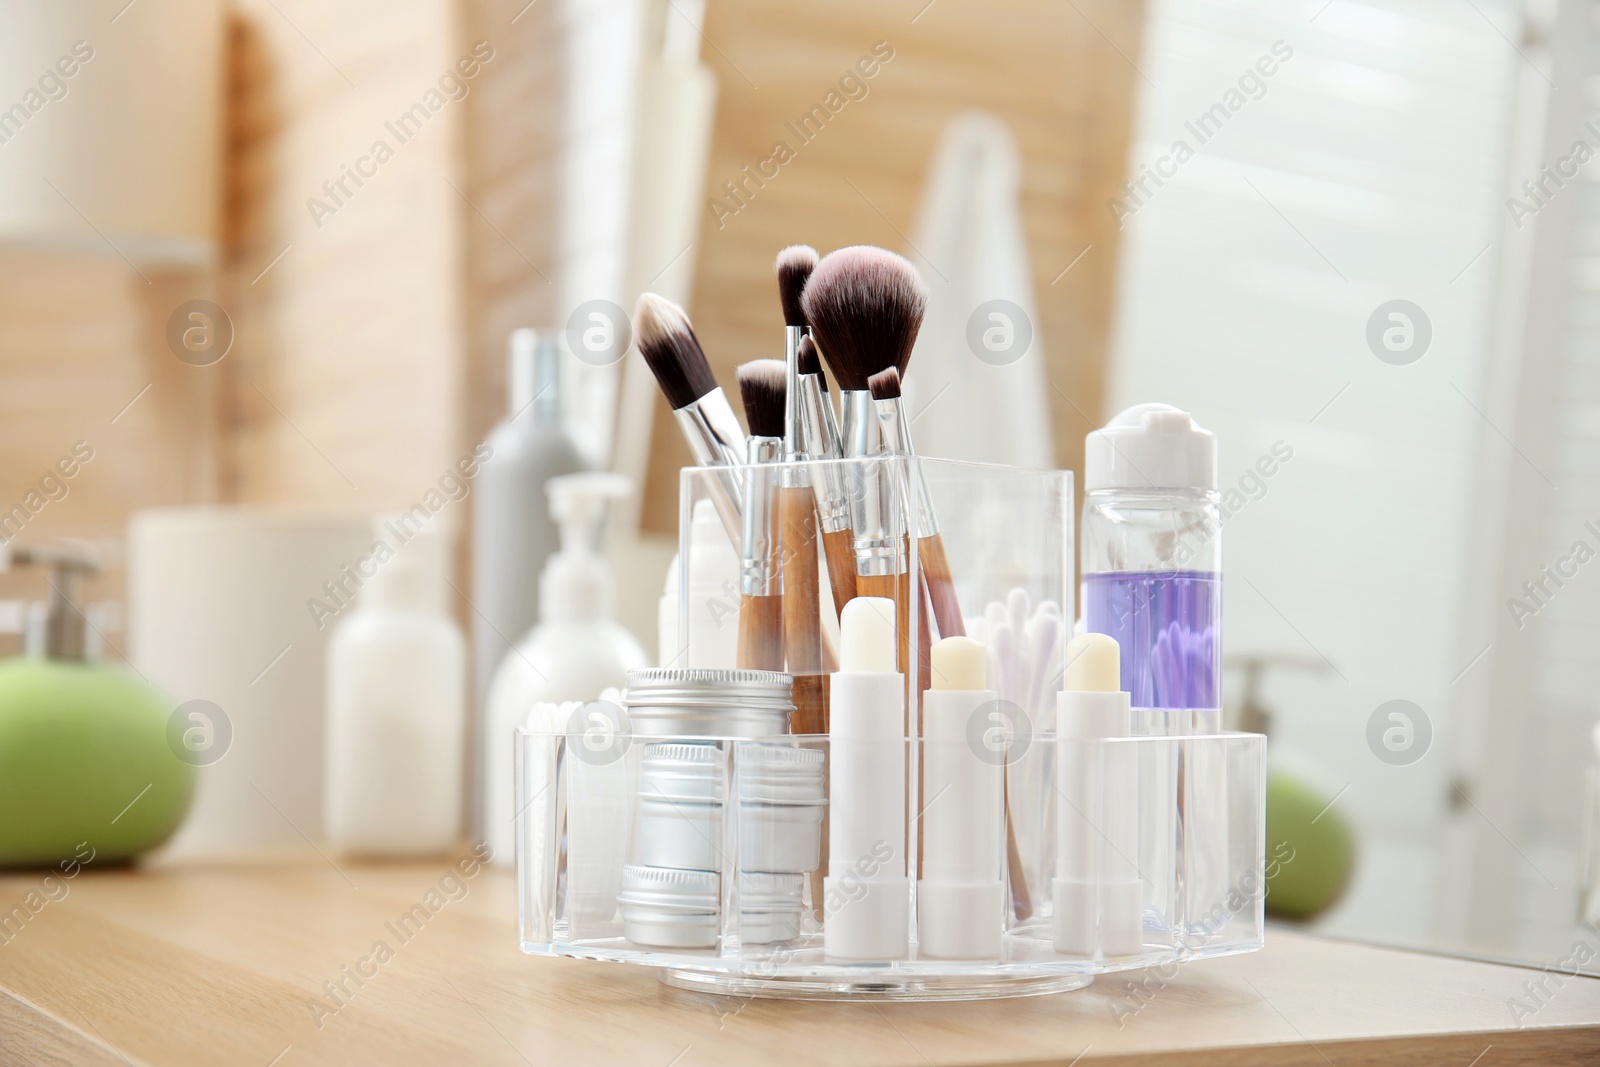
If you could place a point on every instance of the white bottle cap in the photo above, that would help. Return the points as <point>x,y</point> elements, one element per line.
<point>1150,446</point>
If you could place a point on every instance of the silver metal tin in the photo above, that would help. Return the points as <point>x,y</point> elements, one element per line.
<point>678,820</point>
<point>770,907</point>
<point>666,908</point>
<point>704,702</point>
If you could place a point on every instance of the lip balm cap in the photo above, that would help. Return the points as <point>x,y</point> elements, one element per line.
<point>1094,664</point>
<point>867,636</point>
<point>957,663</point>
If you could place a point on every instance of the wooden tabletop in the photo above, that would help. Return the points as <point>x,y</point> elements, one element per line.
<point>227,965</point>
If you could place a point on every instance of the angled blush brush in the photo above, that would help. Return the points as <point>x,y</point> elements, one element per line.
<point>669,346</point>
<point>763,385</point>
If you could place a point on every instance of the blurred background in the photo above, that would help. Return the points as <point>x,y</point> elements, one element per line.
<point>261,262</point>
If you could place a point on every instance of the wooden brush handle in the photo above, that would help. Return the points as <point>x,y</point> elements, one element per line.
<point>941,586</point>
<point>761,633</point>
<point>802,619</point>
<point>841,567</point>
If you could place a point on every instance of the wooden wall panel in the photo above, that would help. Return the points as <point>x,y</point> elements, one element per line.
<point>513,177</point>
<point>345,385</point>
<point>83,357</point>
<point>1055,72</point>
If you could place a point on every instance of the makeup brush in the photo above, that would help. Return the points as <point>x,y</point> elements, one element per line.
<point>935,563</point>
<point>764,386</point>
<point>820,430</point>
<point>802,617</point>
<point>673,353</point>
<point>794,267</point>
<point>865,306</point>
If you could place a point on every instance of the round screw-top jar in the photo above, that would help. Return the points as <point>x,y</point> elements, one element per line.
<point>704,702</point>
<point>780,808</point>
<point>678,821</point>
<point>667,908</point>
<point>681,799</point>
<point>770,907</point>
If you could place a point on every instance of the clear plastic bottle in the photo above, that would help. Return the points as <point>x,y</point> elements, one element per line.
<point>1152,556</point>
<point>396,704</point>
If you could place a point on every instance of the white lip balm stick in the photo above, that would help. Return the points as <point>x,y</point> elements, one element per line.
<point>959,897</point>
<point>1098,902</point>
<point>867,893</point>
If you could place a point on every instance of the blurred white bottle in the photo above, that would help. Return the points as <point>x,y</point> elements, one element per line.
<point>713,638</point>
<point>575,653</point>
<point>512,535</point>
<point>396,702</point>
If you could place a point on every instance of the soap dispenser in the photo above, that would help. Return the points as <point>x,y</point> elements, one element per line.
<point>396,704</point>
<point>92,766</point>
<point>575,653</point>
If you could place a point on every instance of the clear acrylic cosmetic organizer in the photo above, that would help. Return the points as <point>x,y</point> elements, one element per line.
<point>621,832</point>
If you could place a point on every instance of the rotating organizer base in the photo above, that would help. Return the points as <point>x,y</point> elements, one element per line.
<point>874,989</point>
<point>706,824</point>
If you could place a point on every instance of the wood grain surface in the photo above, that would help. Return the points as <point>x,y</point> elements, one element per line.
<point>228,965</point>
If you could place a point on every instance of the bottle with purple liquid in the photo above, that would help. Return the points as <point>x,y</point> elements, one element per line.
<point>1152,558</point>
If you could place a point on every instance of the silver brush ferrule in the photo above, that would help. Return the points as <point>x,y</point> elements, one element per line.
<point>794,438</point>
<point>821,441</point>
<point>877,514</point>
<point>897,432</point>
<point>762,571</point>
<point>716,441</point>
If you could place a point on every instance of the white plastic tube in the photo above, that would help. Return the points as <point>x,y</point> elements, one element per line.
<point>867,892</point>
<point>1097,894</point>
<point>960,896</point>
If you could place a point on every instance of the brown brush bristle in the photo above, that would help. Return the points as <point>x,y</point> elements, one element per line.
<point>885,385</point>
<point>764,388</point>
<point>865,306</point>
<point>807,361</point>
<point>669,346</point>
<point>794,267</point>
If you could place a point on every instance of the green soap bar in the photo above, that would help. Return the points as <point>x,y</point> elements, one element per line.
<point>1308,862</point>
<point>84,758</point>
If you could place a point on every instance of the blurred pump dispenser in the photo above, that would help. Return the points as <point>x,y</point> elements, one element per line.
<point>575,653</point>
<point>93,766</point>
<point>396,704</point>
<point>512,532</point>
